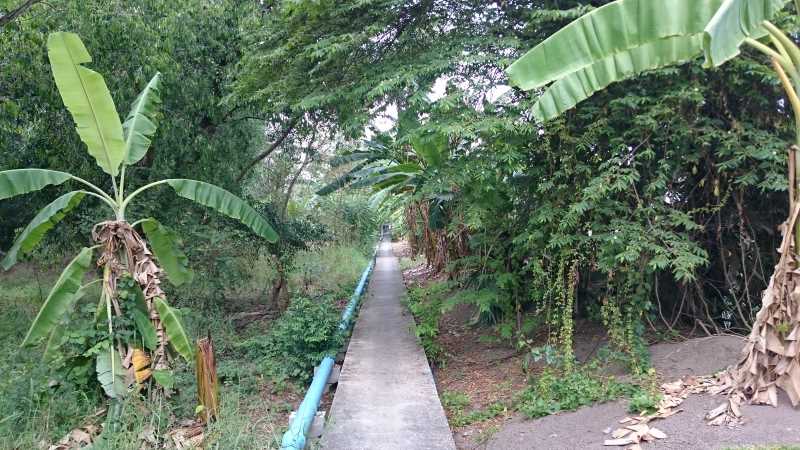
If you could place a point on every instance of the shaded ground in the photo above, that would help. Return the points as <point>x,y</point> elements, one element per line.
<point>489,370</point>
<point>686,430</point>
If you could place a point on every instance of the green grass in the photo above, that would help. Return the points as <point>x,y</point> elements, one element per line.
<point>456,404</point>
<point>330,269</point>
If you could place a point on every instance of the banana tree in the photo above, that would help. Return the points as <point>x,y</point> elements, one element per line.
<point>628,37</point>
<point>122,254</point>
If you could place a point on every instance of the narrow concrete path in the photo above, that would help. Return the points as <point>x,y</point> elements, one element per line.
<point>386,398</point>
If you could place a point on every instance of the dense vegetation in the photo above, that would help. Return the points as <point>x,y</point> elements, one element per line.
<point>652,207</point>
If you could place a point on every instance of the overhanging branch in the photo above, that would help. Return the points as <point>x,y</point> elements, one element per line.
<point>271,148</point>
<point>16,12</point>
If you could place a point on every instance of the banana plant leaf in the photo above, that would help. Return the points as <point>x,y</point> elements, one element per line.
<point>407,168</point>
<point>350,157</point>
<point>734,21</point>
<point>109,372</point>
<point>140,124</point>
<point>21,181</point>
<point>576,87</point>
<point>628,37</point>
<point>224,202</point>
<point>146,329</point>
<point>167,247</point>
<point>612,28</point>
<point>57,333</point>
<point>431,147</point>
<point>177,335</point>
<point>45,220</point>
<point>164,378</point>
<point>86,95</point>
<point>378,179</point>
<point>61,297</point>
<point>341,181</point>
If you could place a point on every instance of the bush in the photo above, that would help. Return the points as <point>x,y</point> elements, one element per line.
<point>426,304</point>
<point>299,339</point>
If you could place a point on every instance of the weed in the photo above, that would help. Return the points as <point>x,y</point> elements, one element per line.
<point>566,390</point>
<point>298,340</point>
<point>426,304</point>
<point>456,404</point>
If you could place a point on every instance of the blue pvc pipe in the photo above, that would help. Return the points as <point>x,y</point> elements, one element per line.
<point>295,436</point>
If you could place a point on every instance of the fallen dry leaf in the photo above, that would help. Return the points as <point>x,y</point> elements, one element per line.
<point>633,439</point>
<point>620,432</point>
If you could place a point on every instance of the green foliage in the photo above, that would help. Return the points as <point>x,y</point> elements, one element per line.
<point>555,391</point>
<point>656,34</point>
<point>40,398</point>
<point>110,373</point>
<point>44,221</point>
<point>87,98</point>
<point>61,298</point>
<point>224,202</point>
<point>178,337</point>
<point>21,181</point>
<point>166,245</point>
<point>427,305</point>
<point>330,269</point>
<point>140,124</point>
<point>203,138</point>
<point>644,402</point>
<point>456,404</point>
<point>299,339</point>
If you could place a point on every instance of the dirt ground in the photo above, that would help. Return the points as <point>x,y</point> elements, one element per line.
<point>490,370</point>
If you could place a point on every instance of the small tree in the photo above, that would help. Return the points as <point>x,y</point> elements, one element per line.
<point>122,253</point>
<point>628,37</point>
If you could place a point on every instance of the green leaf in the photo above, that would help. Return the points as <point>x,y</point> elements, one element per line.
<point>21,181</point>
<point>390,178</point>
<point>616,27</point>
<point>109,372</point>
<point>576,87</point>
<point>175,332</point>
<point>432,148</point>
<point>342,180</point>
<point>628,37</point>
<point>86,95</point>
<point>734,21</point>
<point>223,201</point>
<point>145,328</point>
<point>164,378</point>
<point>350,157</point>
<point>166,246</point>
<point>61,297</point>
<point>408,168</point>
<point>140,124</point>
<point>58,332</point>
<point>46,219</point>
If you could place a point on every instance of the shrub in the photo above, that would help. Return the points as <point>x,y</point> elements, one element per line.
<point>426,304</point>
<point>299,339</point>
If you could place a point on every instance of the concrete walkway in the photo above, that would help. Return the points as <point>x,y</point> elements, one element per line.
<point>386,398</point>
